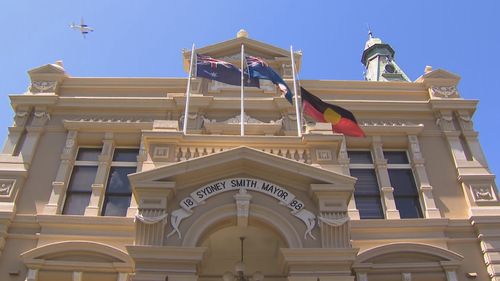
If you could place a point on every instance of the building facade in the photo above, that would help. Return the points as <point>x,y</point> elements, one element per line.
<point>98,181</point>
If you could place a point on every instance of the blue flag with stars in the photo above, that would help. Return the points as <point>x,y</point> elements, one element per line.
<point>222,71</point>
<point>258,68</point>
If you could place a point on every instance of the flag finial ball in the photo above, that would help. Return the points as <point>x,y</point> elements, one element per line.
<point>242,33</point>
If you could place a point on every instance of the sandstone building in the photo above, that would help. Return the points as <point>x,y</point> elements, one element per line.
<point>98,181</point>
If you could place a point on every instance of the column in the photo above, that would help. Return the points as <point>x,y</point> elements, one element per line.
<point>60,183</point>
<point>383,176</point>
<point>100,179</point>
<point>424,186</point>
<point>466,125</point>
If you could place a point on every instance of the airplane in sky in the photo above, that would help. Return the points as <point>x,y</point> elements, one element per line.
<point>82,27</point>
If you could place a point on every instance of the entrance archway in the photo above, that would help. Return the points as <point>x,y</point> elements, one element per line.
<point>261,252</point>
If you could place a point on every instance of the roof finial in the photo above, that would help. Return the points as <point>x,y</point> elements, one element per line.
<point>242,34</point>
<point>370,34</point>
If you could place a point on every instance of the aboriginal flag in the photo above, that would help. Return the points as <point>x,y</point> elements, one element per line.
<point>343,121</point>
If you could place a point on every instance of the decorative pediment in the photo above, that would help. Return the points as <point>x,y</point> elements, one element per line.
<point>46,78</point>
<point>406,256</point>
<point>50,68</point>
<point>78,255</point>
<point>439,77</point>
<point>230,50</point>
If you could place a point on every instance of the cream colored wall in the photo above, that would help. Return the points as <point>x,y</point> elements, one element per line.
<point>20,242</point>
<point>442,174</point>
<point>36,191</point>
<point>473,259</point>
<point>162,99</point>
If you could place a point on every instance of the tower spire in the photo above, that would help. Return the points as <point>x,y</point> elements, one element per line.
<point>378,59</point>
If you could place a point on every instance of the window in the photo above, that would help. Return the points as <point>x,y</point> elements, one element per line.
<point>118,191</point>
<point>402,180</point>
<point>366,189</point>
<point>80,184</point>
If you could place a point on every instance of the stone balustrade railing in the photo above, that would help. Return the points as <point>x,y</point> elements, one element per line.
<point>184,153</point>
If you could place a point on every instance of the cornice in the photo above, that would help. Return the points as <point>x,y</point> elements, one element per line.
<point>365,86</point>
<point>125,82</point>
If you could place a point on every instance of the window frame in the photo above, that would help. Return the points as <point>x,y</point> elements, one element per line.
<point>367,166</point>
<point>112,164</point>
<point>407,166</point>
<point>79,163</point>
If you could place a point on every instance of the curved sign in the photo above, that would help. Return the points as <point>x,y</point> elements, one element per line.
<point>203,193</point>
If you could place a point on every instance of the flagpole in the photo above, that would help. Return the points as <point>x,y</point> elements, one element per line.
<point>297,113</point>
<point>188,90</point>
<point>242,104</point>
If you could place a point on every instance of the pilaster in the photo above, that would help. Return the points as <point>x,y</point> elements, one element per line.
<point>60,183</point>
<point>487,229</point>
<point>32,274</point>
<point>141,158</point>
<point>101,176</point>
<point>21,118</point>
<point>424,186</point>
<point>166,263</point>
<point>467,128</point>
<point>333,219</point>
<point>34,132</point>
<point>387,191</point>
<point>343,160</point>
<point>309,264</point>
<point>152,213</point>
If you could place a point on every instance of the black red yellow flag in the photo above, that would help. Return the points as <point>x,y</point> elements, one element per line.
<point>342,120</point>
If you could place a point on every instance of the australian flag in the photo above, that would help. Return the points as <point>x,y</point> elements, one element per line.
<point>222,71</point>
<point>258,68</point>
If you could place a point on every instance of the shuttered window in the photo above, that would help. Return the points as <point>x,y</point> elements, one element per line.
<point>402,180</point>
<point>366,189</point>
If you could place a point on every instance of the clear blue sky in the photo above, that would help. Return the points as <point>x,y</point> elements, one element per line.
<point>145,38</point>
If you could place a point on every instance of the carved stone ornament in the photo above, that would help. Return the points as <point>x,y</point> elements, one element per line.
<point>151,220</point>
<point>444,91</point>
<point>20,118</point>
<point>43,86</point>
<point>483,193</point>
<point>324,155</point>
<point>6,186</point>
<point>445,122</point>
<point>466,122</point>
<point>161,152</point>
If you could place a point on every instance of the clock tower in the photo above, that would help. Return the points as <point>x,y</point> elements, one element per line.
<point>378,59</point>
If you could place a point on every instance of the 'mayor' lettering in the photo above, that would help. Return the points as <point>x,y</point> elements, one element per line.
<point>274,190</point>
